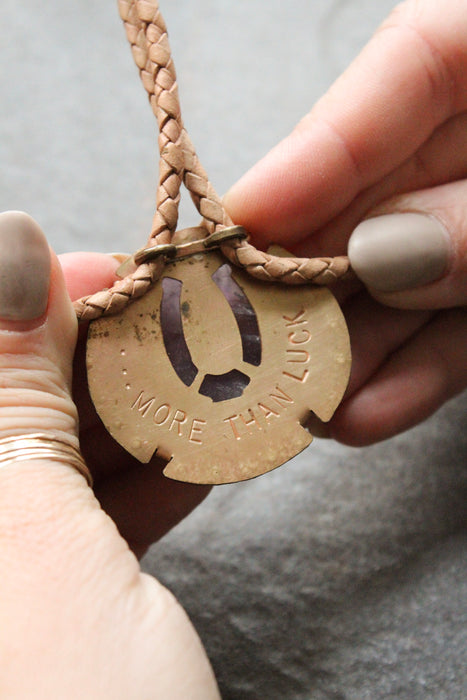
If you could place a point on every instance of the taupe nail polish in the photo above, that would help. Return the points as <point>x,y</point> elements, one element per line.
<point>396,252</point>
<point>24,268</point>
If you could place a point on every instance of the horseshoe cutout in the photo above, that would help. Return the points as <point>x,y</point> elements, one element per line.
<point>218,387</point>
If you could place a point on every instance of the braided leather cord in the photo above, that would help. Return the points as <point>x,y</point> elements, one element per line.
<point>147,34</point>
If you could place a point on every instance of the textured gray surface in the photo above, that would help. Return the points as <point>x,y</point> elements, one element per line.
<point>343,574</point>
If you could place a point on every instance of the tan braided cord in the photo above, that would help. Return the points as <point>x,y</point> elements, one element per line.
<point>147,34</point>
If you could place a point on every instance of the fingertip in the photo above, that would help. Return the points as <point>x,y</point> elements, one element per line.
<point>275,199</point>
<point>298,186</point>
<point>248,203</point>
<point>87,273</point>
<point>25,270</point>
<point>398,254</point>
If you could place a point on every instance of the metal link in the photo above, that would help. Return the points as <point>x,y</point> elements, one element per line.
<point>227,234</point>
<point>144,255</point>
<point>184,249</point>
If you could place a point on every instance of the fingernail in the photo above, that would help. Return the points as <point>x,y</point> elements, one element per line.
<point>24,268</point>
<point>120,257</point>
<point>396,252</point>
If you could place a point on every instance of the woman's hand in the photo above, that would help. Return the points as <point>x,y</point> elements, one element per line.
<point>388,140</point>
<point>78,619</point>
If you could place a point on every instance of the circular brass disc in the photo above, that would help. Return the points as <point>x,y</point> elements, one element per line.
<point>220,401</point>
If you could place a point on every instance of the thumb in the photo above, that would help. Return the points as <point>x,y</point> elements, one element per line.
<point>74,593</point>
<point>412,251</point>
<point>37,333</point>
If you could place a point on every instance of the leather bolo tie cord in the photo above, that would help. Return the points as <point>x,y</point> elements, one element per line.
<point>147,34</point>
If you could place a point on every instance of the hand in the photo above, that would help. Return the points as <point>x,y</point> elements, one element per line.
<point>389,137</point>
<point>78,619</point>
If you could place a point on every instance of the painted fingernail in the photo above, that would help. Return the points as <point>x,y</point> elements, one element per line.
<point>396,252</point>
<point>24,268</point>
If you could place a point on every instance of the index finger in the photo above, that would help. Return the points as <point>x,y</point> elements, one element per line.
<point>87,273</point>
<point>408,80</point>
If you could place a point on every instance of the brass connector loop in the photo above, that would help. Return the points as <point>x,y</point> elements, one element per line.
<point>188,245</point>
<point>227,234</point>
<point>144,255</point>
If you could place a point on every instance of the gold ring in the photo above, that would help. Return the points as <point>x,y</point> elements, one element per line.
<point>22,448</point>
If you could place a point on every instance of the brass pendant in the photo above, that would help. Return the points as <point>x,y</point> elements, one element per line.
<point>216,371</point>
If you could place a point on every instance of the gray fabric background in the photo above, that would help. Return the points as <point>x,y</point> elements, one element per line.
<point>343,574</point>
